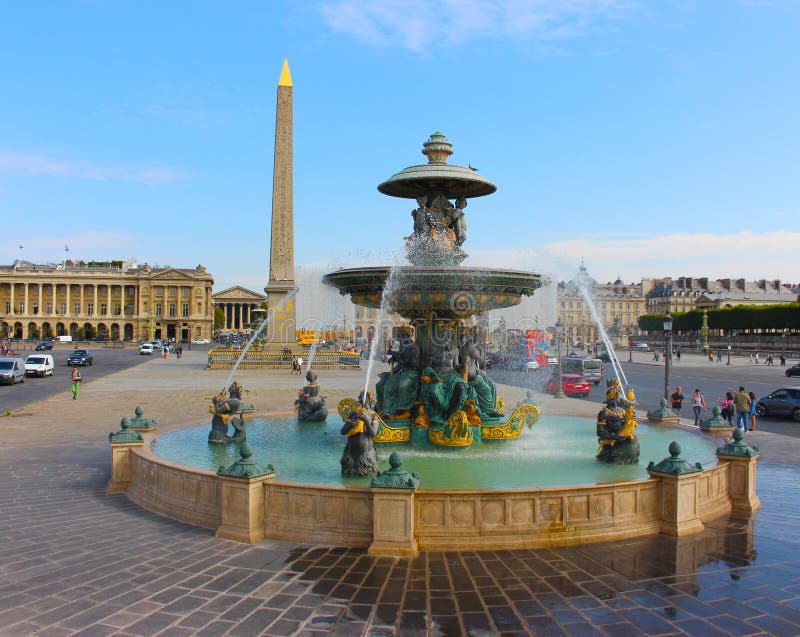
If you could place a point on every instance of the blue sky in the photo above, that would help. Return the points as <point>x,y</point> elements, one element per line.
<point>648,138</point>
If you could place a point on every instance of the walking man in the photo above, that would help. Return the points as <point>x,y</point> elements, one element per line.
<point>742,401</point>
<point>677,400</point>
<point>75,377</point>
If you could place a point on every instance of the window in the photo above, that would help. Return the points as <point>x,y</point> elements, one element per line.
<point>158,309</point>
<point>117,309</point>
<point>62,309</point>
<point>8,307</point>
<point>21,308</point>
<point>129,290</point>
<point>173,290</point>
<point>103,309</point>
<point>185,290</point>
<point>172,309</point>
<point>89,309</point>
<point>158,290</point>
<point>76,309</point>
<point>49,308</point>
<point>185,309</point>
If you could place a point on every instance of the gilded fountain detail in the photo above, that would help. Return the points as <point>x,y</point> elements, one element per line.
<point>437,390</point>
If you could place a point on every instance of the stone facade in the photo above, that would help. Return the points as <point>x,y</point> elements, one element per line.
<point>618,304</point>
<point>120,303</point>
<point>683,294</point>
<point>240,307</point>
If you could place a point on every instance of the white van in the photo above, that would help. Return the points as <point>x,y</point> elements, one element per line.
<point>64,339</point>
<point>12,370</point>
<point>39,365</point>
<point>146,348</point>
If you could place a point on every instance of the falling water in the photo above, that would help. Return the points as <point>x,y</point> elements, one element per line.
<point>583,288</point>
<point>311,354</point>
<point>328,313</point>
<point>255,336</point>
<point>382,314</point>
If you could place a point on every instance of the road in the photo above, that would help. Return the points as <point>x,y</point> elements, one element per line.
<point>713,380</point>
<point>107,360</point>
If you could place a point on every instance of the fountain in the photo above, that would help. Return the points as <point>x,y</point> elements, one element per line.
<point>311,407</point>
<point>225,409</point>
<point>437,391</point>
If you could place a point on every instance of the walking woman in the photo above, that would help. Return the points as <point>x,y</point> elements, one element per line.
<point>727,407</point>
<point>76,382</point>
<point>753,418</point>
<point>698,406</point>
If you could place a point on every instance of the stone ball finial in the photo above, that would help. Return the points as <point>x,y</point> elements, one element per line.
<point>394,460</point>
<point>674,449</point>
<point>138,411</point>
<point>663,403</point>
<point>245,451</point>
<point>715,412</point>
<point>738,435</point>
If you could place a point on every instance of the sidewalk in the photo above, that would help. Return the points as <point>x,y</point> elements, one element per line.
<point>77,561</point>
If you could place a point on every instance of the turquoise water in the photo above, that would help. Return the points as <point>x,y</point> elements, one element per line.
<point>559,451</point>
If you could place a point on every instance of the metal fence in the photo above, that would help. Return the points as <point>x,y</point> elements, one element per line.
<point>226,357</point>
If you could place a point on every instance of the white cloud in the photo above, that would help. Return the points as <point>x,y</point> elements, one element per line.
<point>419,25</point>
<point>746,254</point>
<point>17,164</point>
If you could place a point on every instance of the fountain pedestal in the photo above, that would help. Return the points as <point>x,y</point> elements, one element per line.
<point>393,523</point>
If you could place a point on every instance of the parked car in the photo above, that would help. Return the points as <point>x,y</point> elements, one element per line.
<point>590,368</point>
<point>80,357</point>
<point>523,364</point>
<point>44,346</point>
<point>39,365</point>
<point>782,402</point>
<point>493,359</point>
<point>146,348</point>
<point>64,338</point>
<point>794,370</point>
<point>605,357</point>
<point>12,370</point>
<point>201,341</point>
<point>641,346</point>
<point>574,385</point>
<point>552,360</point>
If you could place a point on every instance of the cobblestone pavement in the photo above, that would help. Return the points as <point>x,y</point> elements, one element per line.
<point>74,560</point>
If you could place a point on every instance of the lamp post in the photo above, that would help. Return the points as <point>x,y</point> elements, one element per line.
<point>559,337</point>
<point>729,348</point>
<point>668,351</point>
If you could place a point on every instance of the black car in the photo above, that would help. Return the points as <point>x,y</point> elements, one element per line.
<point>80,357</point>
<point>605,357</point>
<point>794,370</point>
<point>47,345</point>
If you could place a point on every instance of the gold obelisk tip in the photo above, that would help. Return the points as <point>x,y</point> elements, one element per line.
<point>286,77</point>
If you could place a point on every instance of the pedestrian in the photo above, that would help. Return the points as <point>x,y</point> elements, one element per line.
<point>710,357</point>
<point>294,366</point>
<point>698,406</point>
<point>750,357</point>
<point>727,407</point>
<point>75,377</point>
<point>783,359</point>
<point>753,406</point>
<point>741,400</point>
<point>756,358</point>
<point>677,400</point>
<point>771,360</point>
<point>299,364</point>
<point>719,356</point>
<point>678,354</point>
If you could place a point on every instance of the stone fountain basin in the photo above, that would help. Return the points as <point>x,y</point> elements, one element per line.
<point>449,291</point>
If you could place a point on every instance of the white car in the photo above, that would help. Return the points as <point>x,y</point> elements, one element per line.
<point>523,364</point>
<point>201,341</point>
<point>39,365</point>
<point>641,346</point>
<point>146,348</point>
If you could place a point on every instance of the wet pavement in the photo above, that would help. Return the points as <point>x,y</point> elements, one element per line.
<point>77,561</point>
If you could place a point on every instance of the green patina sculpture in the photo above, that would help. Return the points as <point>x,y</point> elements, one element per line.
<point>245,466</point>
<point>126,434</point>
<point>738,447</point>
<point>395,477</point>
<point>528,400</point>
<point>397,390</point>
<point>674,465</point>
<point>311,407</point>
<point>662,411</point>
<point>228,410</point>
<point>616,425</point>
<point>140,423</point>
<point>715,422</point>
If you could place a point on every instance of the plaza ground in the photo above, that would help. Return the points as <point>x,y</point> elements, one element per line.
<point>77,561</point>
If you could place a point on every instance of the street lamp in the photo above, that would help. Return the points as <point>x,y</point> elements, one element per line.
<point>559,337</point>
<point>668,340</point>
<point>729,347</point>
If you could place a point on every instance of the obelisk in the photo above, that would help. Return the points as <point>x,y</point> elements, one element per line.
<point>282,323</point>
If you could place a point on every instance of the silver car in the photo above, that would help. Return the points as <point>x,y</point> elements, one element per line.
<point>781,402</point>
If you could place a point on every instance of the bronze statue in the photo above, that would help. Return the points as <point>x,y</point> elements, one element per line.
<point>311,407</point>
<point>225,409</point>
<point>397,389</point>
<point>471,360</point>
<point>361,426</point>
<point>443,389</point>
<point>615,426</point>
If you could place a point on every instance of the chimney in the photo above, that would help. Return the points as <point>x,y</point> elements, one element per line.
<point>740,284</point>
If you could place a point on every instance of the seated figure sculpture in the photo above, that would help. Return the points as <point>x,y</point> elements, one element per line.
<point>224,409</point>
<point>311,407</point>
<point>397,389</point>
<point>482,389</point>
<point>615,426</point>
<point>359,457</point>
<point>443,389</point>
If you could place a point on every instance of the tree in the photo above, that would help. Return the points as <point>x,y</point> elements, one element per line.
<point>219,318</point>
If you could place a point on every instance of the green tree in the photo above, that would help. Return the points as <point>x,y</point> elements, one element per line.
<point>219,318</point>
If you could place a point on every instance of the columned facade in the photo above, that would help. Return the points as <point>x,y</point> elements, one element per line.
<point>108,303</point>
<point>242,309</point>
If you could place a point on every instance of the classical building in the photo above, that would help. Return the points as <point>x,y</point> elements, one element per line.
<point>618,305</point>
<point>682,294</point>
<point>114,300</point>
<point>240,307</point>
<point>392,327</point>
